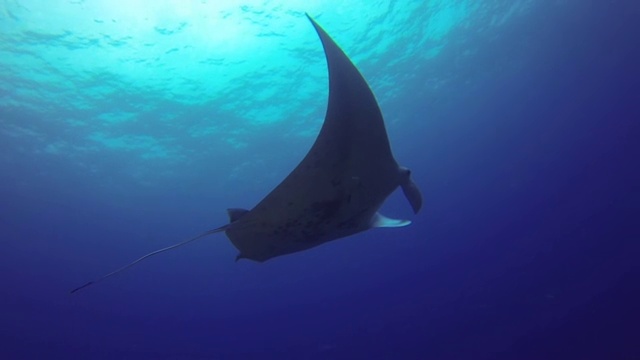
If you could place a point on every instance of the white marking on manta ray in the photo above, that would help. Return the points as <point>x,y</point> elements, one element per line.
<point>337,188</point>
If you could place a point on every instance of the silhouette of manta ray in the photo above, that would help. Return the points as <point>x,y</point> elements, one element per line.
<point>338,187</point>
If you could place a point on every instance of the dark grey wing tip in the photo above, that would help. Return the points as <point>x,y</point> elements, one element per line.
<point>317,26</point>
<point>309,17</point>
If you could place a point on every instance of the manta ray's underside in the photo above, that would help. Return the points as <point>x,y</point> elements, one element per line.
<point>337,188</point>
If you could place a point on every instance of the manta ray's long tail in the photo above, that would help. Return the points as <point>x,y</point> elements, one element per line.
<point>220,229</point>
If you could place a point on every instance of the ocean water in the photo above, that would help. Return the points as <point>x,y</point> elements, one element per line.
<point>127,126</point>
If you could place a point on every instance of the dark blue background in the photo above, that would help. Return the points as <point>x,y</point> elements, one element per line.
<point>527,248</point>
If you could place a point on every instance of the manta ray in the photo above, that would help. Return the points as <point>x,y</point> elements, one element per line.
<point>337,188</point>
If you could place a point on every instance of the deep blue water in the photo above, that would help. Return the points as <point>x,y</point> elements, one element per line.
<point>126,128</point>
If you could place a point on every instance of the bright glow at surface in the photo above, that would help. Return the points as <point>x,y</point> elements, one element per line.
<point>166,82</point>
